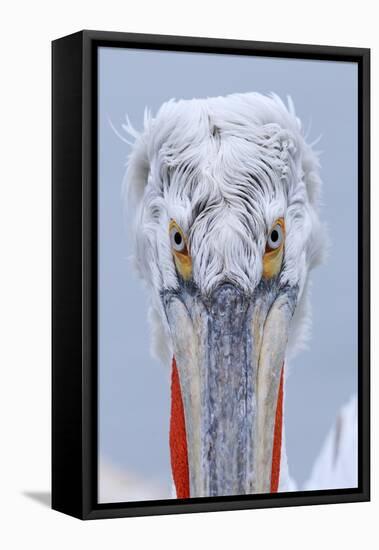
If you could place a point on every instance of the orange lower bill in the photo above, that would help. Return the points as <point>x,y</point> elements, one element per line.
<point>178,438</point>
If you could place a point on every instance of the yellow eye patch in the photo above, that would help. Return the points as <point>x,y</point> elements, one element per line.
<point>273,256</point>
<point>180,252</point>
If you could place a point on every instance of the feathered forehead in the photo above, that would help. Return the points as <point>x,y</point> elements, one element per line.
<point>232,164</point>
<point>222,139</point>
<point>253,117</point>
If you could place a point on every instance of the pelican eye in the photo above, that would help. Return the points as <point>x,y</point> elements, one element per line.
<point>275,237</point>
<point>273,256</point>
<point>182,258</point>
<point>177,240</point>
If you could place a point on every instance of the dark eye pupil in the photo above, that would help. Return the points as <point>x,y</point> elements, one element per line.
<point>274,236</point>
<point>178,238</point>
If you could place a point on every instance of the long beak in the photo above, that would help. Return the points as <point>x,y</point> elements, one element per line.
<point>229,351</point>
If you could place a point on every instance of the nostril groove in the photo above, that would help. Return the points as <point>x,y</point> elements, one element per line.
<point>228,298</point>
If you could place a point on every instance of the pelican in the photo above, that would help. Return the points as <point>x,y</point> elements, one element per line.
<point>224,193</point>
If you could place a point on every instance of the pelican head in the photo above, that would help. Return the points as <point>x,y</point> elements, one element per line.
<point>225,193</point>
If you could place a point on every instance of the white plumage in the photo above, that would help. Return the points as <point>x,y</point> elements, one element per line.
<point>244,154</point>
<point>224,169</point>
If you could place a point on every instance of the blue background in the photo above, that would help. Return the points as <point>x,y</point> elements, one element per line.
<point>134,388</point>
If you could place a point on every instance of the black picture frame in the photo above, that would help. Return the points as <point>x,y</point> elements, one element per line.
<point>74,273</point>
